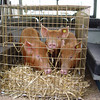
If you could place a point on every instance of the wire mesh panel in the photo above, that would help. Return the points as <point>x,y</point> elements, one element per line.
<point>43,50</point>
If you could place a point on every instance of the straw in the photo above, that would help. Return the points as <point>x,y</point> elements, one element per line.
<point>22,80</point>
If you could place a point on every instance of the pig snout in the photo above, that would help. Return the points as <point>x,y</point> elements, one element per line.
<point>52,45</point>
<point>64,68</point>
<point>63,71</point>
<point>47,71</point>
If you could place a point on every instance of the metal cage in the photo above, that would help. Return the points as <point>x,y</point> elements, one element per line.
<point>17,18</point>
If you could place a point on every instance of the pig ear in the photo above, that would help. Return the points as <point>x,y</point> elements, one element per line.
<point>43,31</point>
<point>78,47</point>
<point>28,47</point>
<point>65,32</point>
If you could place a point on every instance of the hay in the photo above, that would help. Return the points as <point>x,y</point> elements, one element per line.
<point>23,81</point>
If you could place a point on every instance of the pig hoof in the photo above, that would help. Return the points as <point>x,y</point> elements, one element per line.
<point>63,72</point>
<point>48,71</point>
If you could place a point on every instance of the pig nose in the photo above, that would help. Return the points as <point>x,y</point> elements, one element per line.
<point>64,72</point>
<point>52,45</point>
<point>47,71</point>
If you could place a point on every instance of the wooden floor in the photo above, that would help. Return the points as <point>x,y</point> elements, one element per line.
<point>92,94</point>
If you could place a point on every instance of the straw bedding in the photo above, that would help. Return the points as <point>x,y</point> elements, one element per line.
<point>23,81</point>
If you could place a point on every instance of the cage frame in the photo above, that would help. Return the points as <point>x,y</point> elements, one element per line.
<point>78,28</point>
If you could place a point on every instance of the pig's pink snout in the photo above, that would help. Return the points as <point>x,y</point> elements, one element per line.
<point>63,71</point>
<point>52,45</point>
<point>47,71</point>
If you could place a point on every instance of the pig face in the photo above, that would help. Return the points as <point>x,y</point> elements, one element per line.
<point>69,53</point>
<point>36,55</point>
<point>54,37</point>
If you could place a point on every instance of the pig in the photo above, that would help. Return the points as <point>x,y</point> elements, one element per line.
<point>34,51</point>
<point>56,39</point>
<point>69,53</point>
<point>53,37</point>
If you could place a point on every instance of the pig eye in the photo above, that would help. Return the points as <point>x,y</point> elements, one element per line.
<point>71,57</point>
<point>58,37</point>
<point>38,56</point>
